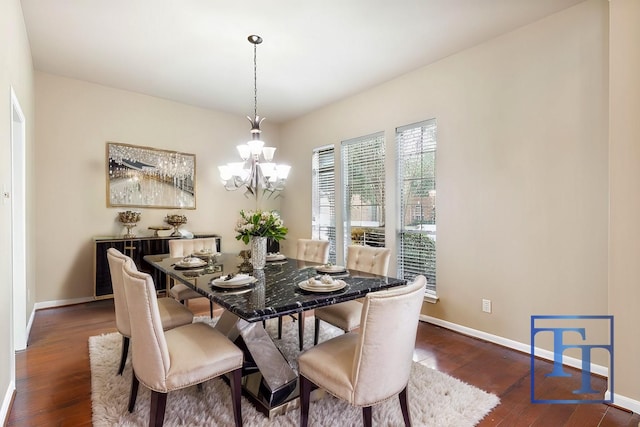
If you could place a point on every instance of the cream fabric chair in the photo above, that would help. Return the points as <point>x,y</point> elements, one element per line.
<point>181,357</point>
<point>182,248</point>
<point>309,250</point>
<point>172,313</point>
<point>346,315</point>
<point>313,250</point>
<point>374,365</point>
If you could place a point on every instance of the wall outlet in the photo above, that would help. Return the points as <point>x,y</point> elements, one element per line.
<point>486,305</point>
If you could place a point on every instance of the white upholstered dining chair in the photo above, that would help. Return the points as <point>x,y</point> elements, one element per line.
<point>172,313</point>
<point>309,250</point>
<point>373,365</point>
<point>312,250</point>
<point>181,357</point>
<point>186,247</point>
<point>346,315</point>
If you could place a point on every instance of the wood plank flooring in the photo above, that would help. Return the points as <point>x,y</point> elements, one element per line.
<point>54,383</point>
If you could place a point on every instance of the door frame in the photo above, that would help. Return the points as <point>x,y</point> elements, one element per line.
<point>17,199</point>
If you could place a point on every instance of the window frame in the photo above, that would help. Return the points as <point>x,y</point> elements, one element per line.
<point>422,243</point>
<point>368,152</point>
<point>327,153</point>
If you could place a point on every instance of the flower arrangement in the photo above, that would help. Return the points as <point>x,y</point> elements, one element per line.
<point>260,224</point>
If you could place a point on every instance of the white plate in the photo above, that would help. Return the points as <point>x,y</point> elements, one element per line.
<point>236,281</point>
<point>201,253</point>
<point>234,285</point>
<point>336,286</point>
<point>237,278</point>
<point>331,269</point>
<point>236,290</point>
<point>276,257</point>
<point>199,264</point>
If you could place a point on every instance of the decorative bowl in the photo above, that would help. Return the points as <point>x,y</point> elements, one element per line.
<point>176,221</point>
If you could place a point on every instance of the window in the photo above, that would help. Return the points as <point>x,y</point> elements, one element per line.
<point>364,194</point>
<point>323,198</point>
<point>416,145</point>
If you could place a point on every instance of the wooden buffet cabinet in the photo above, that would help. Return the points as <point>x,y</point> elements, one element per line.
<point>136,248</point>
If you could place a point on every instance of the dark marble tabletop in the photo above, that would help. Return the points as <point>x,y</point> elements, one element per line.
<point>276,291</point>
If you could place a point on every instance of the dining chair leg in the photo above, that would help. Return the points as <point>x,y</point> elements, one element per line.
<point>156,410</point>
<point>305,395</point>
<point>211,309</point>
<point>404,405</point>
<point>236,393</point>
<point>123,356</point>
<point>366,416</point>
<point>316,332</point>
<point>134,391</point>
<point>301,329</point>
<point>280,327</point>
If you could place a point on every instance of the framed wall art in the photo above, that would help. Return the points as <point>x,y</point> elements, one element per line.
<point>150,178</point>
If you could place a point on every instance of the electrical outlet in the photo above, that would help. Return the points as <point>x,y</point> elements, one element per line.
<point>486,305</point>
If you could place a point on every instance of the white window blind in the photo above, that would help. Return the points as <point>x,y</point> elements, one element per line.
<point>416,145</point>
<point>323,198</point>
<point>364,192</point>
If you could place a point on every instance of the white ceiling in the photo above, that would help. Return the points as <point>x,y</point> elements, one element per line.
<point>314,52</point>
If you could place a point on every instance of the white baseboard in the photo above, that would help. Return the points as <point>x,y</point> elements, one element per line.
<point>619,400</point>
<point>30,322</point>
<point>505,342</point>
<point>624,402</point>
<point>6,402</point>
<point>62,302</point>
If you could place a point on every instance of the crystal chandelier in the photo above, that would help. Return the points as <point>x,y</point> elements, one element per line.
<point>253,173</point>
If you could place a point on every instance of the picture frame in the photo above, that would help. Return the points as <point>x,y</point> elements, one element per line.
<point>147,177</point>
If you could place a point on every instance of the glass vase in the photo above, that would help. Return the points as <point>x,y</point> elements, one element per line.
<point>258,252</point>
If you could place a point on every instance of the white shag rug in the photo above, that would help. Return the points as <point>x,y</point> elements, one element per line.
<point>435,399</point>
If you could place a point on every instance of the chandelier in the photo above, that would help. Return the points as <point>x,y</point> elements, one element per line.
<point>256,171</point>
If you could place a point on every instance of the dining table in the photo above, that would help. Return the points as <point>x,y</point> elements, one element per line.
<point>251,296</point>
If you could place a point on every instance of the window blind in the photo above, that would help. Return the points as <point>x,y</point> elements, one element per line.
<point>323,198</point>
<point>416,149</point>
<point>364,190</point>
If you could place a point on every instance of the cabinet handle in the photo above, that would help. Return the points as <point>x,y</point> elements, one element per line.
<point>133,248</point>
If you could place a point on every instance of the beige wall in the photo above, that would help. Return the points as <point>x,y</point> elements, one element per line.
<point>521,169</point>
<point>15,71</point>
<point>75,120</point>
<point>624,192</point>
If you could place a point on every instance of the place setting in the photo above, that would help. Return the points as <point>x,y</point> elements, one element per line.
<point>275,258</point>
<point>190,263</point>
<point>233,281</point>
<point>323,284</point>
<point>205,254</point>
<point>333,270</point>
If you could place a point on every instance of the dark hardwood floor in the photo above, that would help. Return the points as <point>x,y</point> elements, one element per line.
<point>54,383</point>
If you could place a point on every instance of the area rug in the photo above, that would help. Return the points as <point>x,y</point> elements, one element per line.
<point>435,399</point>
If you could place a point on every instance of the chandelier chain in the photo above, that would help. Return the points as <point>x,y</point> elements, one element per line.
<point>255,81</point>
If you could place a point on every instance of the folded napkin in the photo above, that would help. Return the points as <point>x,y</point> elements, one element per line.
<point>232,278</point>
<point>205,252</point>
<point>325,281</point>
<point>191,261</point>
<point>330,268</point>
